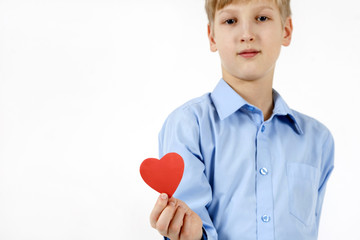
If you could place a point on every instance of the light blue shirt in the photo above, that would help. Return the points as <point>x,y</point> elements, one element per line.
<point>245,177</point>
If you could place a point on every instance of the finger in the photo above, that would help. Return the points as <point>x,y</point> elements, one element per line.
<point>192,226</point>
<point>160,205</point>
<point>177,222</point>
<point>186,229</point>
<point>165,218</point>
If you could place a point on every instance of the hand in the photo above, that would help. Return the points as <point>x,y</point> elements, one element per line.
<point>175,220</point>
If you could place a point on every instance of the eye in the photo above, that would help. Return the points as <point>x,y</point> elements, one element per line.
<point>262,18</point>
<point>230,21</point>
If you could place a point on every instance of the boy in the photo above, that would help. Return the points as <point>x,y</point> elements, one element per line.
<point>254,168</point>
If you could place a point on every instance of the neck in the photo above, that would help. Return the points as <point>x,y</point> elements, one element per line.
<point>256,92</point>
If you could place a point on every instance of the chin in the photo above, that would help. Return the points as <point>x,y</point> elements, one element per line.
<point>248,77</point>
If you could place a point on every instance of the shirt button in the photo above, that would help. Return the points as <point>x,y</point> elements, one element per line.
<point>263,128</point>
<point>251,108</point>
<point>263,171</point>
<point>265,218</point>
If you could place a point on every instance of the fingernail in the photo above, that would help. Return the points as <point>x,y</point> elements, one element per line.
<point>163,196</point>
<point>172,204</point>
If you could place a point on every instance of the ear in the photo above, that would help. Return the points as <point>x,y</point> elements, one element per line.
<point>212,42</point>
<point>287,32</point>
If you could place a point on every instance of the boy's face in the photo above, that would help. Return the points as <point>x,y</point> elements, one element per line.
<point>249,37</point>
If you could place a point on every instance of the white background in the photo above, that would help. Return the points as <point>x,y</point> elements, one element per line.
<point>85,87</point>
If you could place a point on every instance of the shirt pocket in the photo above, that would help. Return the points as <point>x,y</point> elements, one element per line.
<point>303,191</point>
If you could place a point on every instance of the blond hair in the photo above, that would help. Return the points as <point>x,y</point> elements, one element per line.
<point>211,6</point>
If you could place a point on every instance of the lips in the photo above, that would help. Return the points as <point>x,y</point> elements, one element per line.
<point>248,53</point>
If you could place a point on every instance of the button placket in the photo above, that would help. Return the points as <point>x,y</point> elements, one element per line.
<point>265,205</point>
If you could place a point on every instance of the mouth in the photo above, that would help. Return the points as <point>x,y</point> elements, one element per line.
<point>249,53</point>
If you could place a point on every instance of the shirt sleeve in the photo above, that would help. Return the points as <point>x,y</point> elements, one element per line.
<point>180,133</point>
<point>204,236</point>
<point>326,170</point>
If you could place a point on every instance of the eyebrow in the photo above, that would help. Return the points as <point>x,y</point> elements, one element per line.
<point>265,7</point>
<point>232,10</point>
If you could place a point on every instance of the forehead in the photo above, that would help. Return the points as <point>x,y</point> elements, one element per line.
<point>254,3</point>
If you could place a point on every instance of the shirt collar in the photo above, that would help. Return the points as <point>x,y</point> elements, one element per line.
<point>227,102</point>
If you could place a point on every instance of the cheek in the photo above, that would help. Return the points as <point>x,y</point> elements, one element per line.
<point>273,33</point>
<point>227,54</point>
<point>273,42</point>
<point>225,47</point>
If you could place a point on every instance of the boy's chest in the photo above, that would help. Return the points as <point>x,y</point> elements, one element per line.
<point>245,152</point>
<point>262,167</point>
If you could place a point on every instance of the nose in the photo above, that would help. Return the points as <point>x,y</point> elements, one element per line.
<point>246,33</point>
<point>247,38</point>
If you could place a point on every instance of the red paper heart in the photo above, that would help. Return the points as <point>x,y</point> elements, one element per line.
<point>163,175</point>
